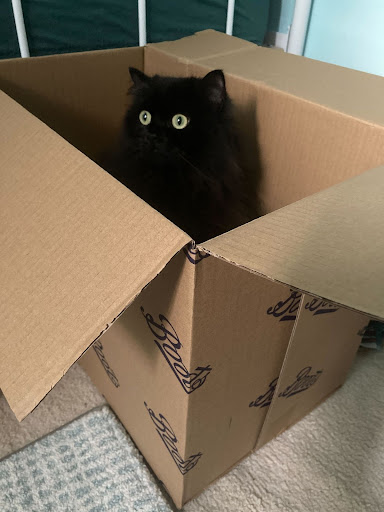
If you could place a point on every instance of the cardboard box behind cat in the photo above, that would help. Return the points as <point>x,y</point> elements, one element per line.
<point>205,353</point>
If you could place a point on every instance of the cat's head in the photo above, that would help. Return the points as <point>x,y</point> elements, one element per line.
<point>185,115</point>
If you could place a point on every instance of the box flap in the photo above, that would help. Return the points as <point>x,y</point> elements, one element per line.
<point>329,244</point>
<point>197,46</point>
<point>76,247</point>
<point>331,86</point>
<point>82,96</point>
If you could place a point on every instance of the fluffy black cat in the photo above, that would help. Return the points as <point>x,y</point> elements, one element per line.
<point>179,153</point>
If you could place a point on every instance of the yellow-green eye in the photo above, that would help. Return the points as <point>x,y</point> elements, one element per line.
<point>145,117</point>
<point>179,121</point>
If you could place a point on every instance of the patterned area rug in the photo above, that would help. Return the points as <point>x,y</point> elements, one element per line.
<point>333,460</point>
<point>90,464</point>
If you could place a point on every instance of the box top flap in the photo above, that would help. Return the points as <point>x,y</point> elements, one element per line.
<point>207,43</point>
<point>76,247</point>
<point>329,244</point>
<point>344,90</point>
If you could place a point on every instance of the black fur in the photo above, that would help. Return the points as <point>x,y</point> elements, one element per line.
<point>192,176</point>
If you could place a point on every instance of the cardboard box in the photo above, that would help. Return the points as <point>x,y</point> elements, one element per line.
<point>205,353</point>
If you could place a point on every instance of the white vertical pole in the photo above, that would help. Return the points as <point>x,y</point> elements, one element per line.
<point>20,28</point>
<point>142,23</point>
<point>230,15</point>
<point>298,31</point>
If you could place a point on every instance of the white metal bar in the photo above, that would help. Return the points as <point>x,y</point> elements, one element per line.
<point>298,31</point>
<point>20,28</point>
<point>230,15</point>
<point>142,22</point>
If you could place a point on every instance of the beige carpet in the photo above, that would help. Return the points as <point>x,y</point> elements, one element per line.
<point>73,396</point>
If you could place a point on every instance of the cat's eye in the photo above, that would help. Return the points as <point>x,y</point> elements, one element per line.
<point>180,121</point>
<point>145,117</point>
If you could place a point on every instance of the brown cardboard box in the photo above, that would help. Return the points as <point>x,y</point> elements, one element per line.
<point>207,352</point>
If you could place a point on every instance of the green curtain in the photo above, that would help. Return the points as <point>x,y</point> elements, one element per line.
<point>8,38</point>
<point>59,26</point>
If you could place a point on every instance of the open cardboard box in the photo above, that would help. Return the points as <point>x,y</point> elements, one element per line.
<point>211,351</point>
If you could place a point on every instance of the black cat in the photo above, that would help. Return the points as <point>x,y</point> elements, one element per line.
<point>179,153</point>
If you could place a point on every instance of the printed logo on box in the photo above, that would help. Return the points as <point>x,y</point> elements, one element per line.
<point>286,310</point>
<point>168,436</point>
<point>266,399</point>
<point>320,307</point>
<point>193,254</point>
<point>169,345</point>
<point>98,348</point>
<point>304,380</point>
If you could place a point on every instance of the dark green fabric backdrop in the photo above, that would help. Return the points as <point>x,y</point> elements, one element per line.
<point>58,26</point>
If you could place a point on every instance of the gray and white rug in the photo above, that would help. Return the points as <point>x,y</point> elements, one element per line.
<point>333,460</point>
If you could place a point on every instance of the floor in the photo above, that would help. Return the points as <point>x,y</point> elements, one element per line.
<point>73,396</point>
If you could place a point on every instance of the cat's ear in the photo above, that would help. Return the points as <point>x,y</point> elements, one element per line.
<point>138,77</point>
<point>214,84</point>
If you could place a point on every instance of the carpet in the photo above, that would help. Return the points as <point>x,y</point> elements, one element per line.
<point>73,396</point>
<point>333,460</point>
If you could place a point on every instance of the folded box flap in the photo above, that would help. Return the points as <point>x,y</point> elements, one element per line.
<point>198,45</point>
<point>76,247</point>
<point>330,244</point>
<point>321,83</point>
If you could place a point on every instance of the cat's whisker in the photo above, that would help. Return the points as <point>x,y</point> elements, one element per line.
<point>188,162</point>
<point>200,172</point>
